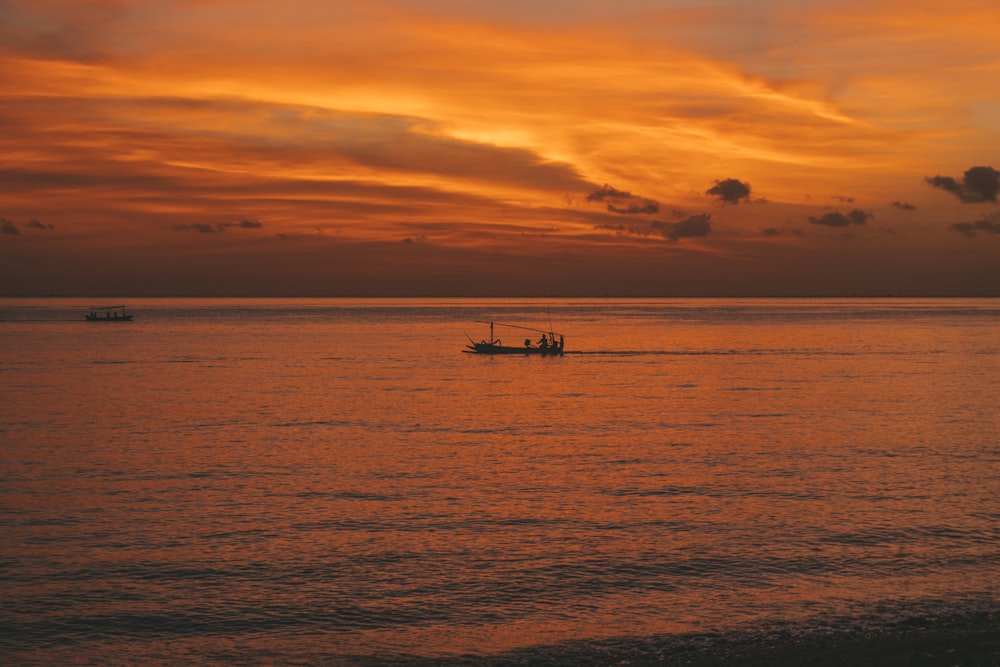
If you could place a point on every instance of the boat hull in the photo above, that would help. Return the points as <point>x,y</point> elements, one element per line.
<point>492,350</point>
<point>108,314</point>
<point>120,318</point>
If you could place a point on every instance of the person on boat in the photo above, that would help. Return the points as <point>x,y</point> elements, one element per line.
<point>543,342</point>
<point>527,342</point>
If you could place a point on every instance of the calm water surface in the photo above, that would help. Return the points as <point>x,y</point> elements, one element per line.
<point>334,482</point>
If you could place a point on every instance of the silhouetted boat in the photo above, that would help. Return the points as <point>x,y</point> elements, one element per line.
<point>108,314</point>
<point>545,347</point>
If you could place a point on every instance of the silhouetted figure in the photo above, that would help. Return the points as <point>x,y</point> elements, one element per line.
<point>543,342</point>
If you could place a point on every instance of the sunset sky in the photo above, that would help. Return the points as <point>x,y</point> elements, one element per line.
<point>460,147</point>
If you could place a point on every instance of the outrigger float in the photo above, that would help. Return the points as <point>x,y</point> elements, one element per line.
<point>547,346</point>
<point>108,314</point>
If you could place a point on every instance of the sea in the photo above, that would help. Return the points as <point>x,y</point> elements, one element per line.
<point>335,482</point>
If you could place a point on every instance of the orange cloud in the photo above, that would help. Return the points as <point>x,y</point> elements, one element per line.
<point>372,123</point>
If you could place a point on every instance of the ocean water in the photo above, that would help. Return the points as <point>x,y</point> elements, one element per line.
<point>335,482</point>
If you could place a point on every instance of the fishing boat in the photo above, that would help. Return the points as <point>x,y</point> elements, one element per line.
<point>108,314</point>
<point>546,346</point>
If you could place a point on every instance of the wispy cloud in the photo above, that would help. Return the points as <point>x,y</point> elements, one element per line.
<point>987,225</point>
<point>10,228</point>
<point>210,228</point>
<point>620,201</point>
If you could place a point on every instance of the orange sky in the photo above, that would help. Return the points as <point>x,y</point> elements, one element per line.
<point>439,147</point>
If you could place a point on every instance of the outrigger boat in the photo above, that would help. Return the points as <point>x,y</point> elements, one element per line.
<point>108,314</point>
<point>545,347</point>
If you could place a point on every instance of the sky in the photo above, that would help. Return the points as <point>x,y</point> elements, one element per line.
<point>472,148</point>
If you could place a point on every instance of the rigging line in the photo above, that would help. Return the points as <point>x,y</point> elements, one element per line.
<point>516,326</point>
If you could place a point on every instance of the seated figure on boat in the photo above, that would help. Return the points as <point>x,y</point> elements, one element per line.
<point>543,342</point>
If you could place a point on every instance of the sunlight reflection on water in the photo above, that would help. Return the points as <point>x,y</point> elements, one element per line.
<point>336,478</point>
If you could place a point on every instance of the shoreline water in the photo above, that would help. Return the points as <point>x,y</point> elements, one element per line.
<point>957,640</point>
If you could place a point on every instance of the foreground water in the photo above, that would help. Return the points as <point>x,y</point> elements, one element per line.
<point>334,482</point>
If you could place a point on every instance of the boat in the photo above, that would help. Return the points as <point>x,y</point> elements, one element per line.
<point>546,346</point>
<point>108,314</point>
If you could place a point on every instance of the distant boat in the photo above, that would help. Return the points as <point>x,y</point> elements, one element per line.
<point>546,346</point>
<point>108,314</point>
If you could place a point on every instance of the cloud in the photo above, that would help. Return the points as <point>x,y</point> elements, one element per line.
<point>775,231</point>
<point>988,225</point>
<point>689,227</point>
<point>841,198</point>
<point>903,206</point>
<point>70,30</point>
<point>607,192</point>
<point>207,228</point>
<point>8,227</point>
<point>692,226</point>
<point>200,227</point>
<point>644,206</point>
<point>838,219</point>
<point>623,202</point>
<point>978,184</point>
<point>730,190</point>
<point>404,144</point>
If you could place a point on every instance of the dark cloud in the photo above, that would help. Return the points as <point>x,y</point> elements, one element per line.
<point>206,228</point>
<point>838,219</point>
<point>846,200</point>
<point>623,202</point>
<point>607,192</point>
<point>730,190</point>
<point>200,227</point>
<point>903,206</point>
<point>978,184</point>
<point>988,225</point>
<point>644,206</point>
<point>775,231</point>
<point>689,227</point>
<point>8,227</point>
<point>692,226</point>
